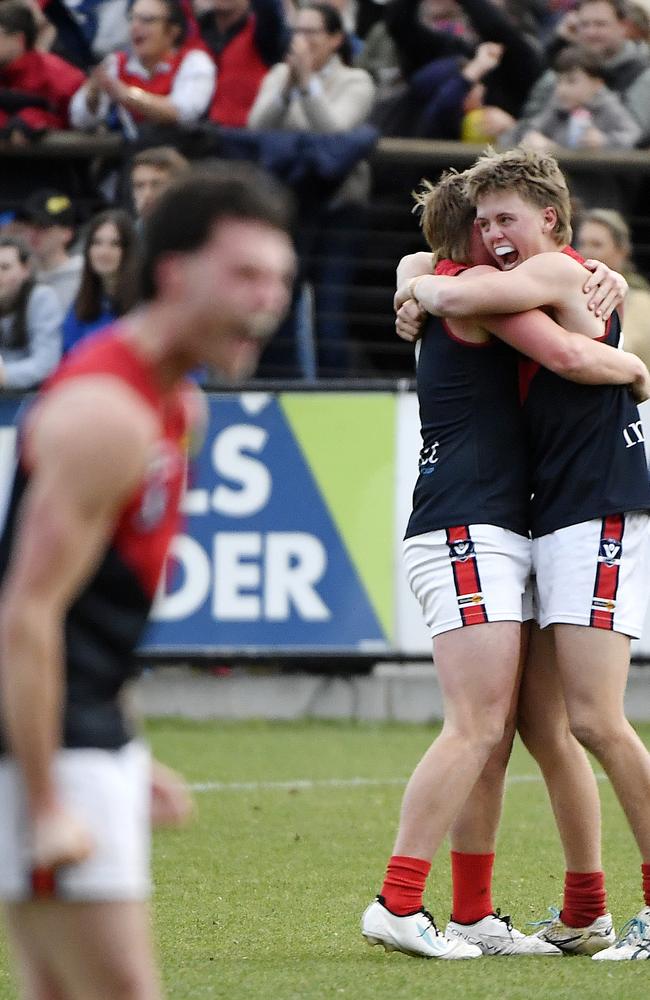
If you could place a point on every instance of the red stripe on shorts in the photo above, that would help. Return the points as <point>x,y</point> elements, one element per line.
<point>43,883</point>
<point>607,574</point>
<point>466,577</point>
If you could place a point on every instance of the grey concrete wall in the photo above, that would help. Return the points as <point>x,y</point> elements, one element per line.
<point>393,692</point>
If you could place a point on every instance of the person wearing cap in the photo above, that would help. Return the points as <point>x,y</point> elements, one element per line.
<point>49,229</point>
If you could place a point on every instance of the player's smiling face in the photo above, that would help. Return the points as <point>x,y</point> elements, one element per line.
<point>513,229</point>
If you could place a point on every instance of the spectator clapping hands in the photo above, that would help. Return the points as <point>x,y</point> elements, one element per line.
<point>300,61</point>
<point>100,81</point>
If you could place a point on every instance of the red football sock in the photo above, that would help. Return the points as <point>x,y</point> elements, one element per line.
<point>471,876</point>
<point>645,871</point>
<point>585,898</point>
<point>403,886</point>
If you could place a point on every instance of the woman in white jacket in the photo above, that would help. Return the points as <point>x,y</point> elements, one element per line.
<point>315,90</point>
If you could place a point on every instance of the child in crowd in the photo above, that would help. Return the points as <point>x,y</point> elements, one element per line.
<point>583,112</point>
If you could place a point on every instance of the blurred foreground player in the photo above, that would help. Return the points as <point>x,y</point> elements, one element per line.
<point>93,509</point>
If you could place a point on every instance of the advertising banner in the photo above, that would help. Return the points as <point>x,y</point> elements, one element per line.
<point>289,525</point>
<point>295,510</point>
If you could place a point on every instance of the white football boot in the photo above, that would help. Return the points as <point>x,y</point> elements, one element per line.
<point>415,934</point>
<point>588,940</point>
<point>633,942</point>
<point>495,935</point>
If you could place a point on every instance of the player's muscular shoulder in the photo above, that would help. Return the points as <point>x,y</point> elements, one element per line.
<point>560,274</point>
<point>96,433</point>
<point>478,270</point>
<point>553,265</point>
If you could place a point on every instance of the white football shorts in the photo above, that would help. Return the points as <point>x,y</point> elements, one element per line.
<point>596,573</point>
<point>110,791</point>
<point>469,575</point>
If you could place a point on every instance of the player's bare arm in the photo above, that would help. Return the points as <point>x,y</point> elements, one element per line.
<point>570,355</point>
<point>412,265</point>
<point>408,325</point>
<point>547,279</point>
<point>542,280</point>
<point>87,448</point>
<point>605,290</point>
<point>171,802</point>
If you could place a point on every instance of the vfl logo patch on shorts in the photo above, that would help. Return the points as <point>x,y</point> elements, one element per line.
<point>461,551</point>
<point>608,564</point>
<point>610,551</point>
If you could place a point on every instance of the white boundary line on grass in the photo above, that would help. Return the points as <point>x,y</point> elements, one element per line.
<point>306,784</point>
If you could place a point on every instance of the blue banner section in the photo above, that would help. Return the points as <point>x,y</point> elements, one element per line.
<point>9,406</point>
<point>261,564</point>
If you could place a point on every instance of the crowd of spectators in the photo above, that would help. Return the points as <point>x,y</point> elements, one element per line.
<point>551,74</point>
<point>429,66</point>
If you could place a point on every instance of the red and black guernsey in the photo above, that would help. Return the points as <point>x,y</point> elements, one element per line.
<point>105,622</point>
<point>472,467</point>
<point>585,444</point>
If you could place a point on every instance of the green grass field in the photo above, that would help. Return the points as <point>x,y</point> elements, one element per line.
<point>261,898</point>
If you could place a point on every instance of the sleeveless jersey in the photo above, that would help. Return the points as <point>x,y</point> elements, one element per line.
<point>585,444</point>
<point>472,467</point>
<point>106,620</point>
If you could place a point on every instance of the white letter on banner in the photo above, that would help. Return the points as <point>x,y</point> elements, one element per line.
<point>195,585</point>
<point>295,562</point>
<point>7,466</point>
<point>195,502</point>
<point>230,462</point>
<point>232,575</point>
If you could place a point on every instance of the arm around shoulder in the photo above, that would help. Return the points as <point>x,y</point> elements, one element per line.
<point>592,363</point>
<point>572,356</point>
<point>477,293</point>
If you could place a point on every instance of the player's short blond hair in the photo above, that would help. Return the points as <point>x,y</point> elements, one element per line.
<point>446,216</point>
<point>535,177</point>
